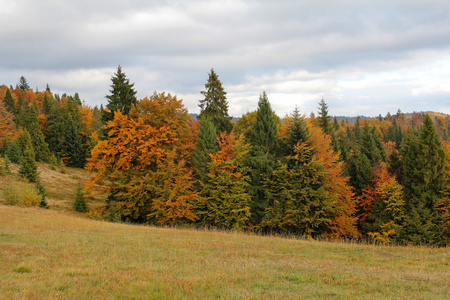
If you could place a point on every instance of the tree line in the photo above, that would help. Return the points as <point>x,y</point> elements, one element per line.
<point>385,178</point>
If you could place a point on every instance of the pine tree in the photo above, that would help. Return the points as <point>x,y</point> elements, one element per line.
<point>299,201</point>
<point>122,96</point>
<point>226,195</point>
<point>28,167</point>
<point>23,84</point>
<point>297,133</point>
<point>215,105</point>
<point>37,138</point>
<point>206,145</point>
<point>10,103</point>
<point>324,119</point>
<point>262,156</point>
<point>72,150</point>
<point>423,180</point>
<point>14,152</point>
<point>79,204</point>
<point>26,143</point>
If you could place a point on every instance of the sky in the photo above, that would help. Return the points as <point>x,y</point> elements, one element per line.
<point>363,57</point>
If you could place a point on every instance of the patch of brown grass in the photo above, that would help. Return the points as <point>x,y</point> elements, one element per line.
<point>50,254</point>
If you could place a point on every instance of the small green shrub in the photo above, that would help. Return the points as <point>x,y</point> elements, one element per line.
<point>21,194</point>
<point>41,191</point>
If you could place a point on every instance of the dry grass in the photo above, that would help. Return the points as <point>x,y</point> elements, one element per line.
<point>50,254</point>
<point>56,253</point>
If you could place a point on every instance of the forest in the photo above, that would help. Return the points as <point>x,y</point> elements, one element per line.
<point>385,179</point>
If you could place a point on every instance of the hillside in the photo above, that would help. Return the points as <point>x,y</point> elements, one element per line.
<point>50,254</point>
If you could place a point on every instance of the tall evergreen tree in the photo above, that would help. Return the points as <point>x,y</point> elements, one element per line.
<point>122,96</point>
<point>10,103</point>
<point>265,127</point>
<point>423,180</point>
<point>262,156</point>
<point>28,167</point>
<point>215,105</point>
<point>73,151</point>
<point>206,145</point>
<point>32,124</point>
<point>23,84</point>
<point>297,133</point>
<point>324,119</point>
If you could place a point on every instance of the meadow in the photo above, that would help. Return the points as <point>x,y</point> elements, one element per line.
<point>59,254</point>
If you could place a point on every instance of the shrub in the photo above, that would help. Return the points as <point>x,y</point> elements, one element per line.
<point>41,191</point>
<point>21,194</point>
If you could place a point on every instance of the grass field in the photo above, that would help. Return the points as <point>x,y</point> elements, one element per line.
<point>52,254</point>
<point>59,254</point>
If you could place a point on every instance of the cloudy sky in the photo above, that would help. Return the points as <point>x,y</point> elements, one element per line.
<point>363,57</point>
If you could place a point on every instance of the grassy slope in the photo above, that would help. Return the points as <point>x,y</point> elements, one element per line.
<point>55,253</point>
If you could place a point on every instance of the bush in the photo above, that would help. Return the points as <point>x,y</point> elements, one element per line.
<point>21,194</point>
<point>41,191</point>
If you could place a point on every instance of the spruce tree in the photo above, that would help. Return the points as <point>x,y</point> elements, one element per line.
<point>37,138</point>
<point>265,127</point>
<point>206,144</point>
<point>10,103</point>
<point>14,152</point>
<point>297,133</point>
<point>26,143</point>
<point>122,96</point>
<point>79,204</point>
<point>423,180</point>
<point>72,150</point>
<point>28,167</point>
<point>215,105</point>
<point>324,119</point>
<point>262,156</point>
<point>23,84</point>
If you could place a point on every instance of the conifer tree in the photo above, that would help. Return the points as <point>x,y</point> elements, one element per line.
<point>28,167</point>
<point>324,119</point>
<point>14,152</point>
<point>215,105</point>
<point>73,151</point>
<point>226,195</point>
<point>10,103</point>
<point>23,84</point>
<point>262,155</point>
<point>297,133</point>
<point>423,180</point>
<point>37,138</point>
<point>79,204</point>
<point>299,201</point>
<point>26,143</point>
<point>206,144</point>
<point>122,96</point>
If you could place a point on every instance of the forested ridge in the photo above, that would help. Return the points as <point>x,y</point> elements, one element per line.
<point>384,178</point>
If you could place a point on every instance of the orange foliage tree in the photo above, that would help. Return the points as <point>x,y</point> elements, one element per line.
<point>156,133</point>
<point>7,125</point>
<point>343,222</point>
<point>382,206</point>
